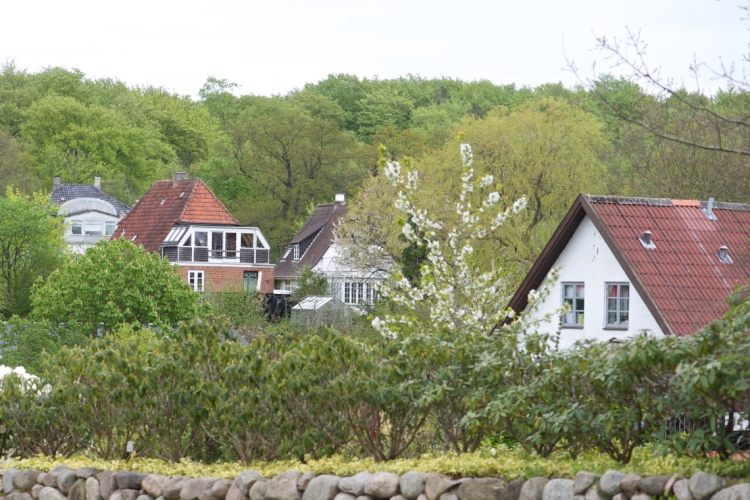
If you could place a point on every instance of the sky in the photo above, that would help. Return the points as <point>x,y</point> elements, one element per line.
<point>272,47</point>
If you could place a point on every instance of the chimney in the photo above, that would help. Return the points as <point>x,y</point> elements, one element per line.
<point>178,177</point>
<point>723,255</point>
<point>340,198</point>
<point>709,210</point>
<point>646,241</point>
<point>56,183</point>
<point>98,182</point>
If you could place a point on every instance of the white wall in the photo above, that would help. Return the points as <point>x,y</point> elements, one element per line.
<point>80,242</point>
<point>588,259</point>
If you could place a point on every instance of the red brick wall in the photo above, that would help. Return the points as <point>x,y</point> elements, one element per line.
<point>232,278</point>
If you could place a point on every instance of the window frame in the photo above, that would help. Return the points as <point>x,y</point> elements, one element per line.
<point>76,224</point>
<point>358,292</point>
<point>618,311</point>
<point>296,252</point>
<point>194,278</point>
<point>246,281</point>
<point>574,311</point>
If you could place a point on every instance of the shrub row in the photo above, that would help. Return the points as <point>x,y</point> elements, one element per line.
<point>200,393</point>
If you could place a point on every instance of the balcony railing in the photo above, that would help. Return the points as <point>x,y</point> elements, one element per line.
<point>203,254</point>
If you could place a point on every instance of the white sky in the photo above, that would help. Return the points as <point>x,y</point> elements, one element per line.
<point>274,46</point>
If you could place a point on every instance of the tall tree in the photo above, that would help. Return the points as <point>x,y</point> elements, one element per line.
<point>31,247</point>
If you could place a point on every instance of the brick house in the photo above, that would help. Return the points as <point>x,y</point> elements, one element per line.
<point>634,264</point>
<point>183,221</point>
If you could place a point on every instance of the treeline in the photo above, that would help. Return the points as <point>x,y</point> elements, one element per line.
<point>271,158</point>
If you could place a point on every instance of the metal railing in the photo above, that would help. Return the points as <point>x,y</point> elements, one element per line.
<point>203,254</point>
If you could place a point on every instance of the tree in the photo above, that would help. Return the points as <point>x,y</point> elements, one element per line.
<point>113,283</point>
<point>311,283</point>
<point>31,247</point>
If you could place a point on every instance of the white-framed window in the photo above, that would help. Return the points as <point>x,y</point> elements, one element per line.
<point>618,305</point>
<point>296,252</point>
<point>574,297</point>
<point>195,280</point>
<point>110,227</point>
<point>358,292</point>
<point>76,227</point>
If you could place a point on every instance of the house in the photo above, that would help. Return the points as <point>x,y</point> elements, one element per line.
<point>314,247</point>
<point>633,264</point>
<point>90,213</point>
<point>183,221</point>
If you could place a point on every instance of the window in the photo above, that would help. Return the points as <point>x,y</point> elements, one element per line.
<point>618,304</point>
<point>231,245</point>
<point>201,239</point>
<point>188,241</point>
<point>92,228</point>
<point>573,298</point>
<point>247,241</point>
<point>195,280</point>
<point>110,226</point>
<point>251,281</point>
<point>76,227</point>
<point>296,252</point>
<point>358,293</point>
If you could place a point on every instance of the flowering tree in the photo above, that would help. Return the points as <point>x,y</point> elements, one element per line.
<point>448,318</point>
<point>458,295</point>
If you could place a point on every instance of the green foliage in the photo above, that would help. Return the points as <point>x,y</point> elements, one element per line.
<point>113,283</point>
<point>25,342</point>
<point>31,247</point>
<point>311,283</point>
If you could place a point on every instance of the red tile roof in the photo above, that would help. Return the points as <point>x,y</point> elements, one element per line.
<point>165,205</point>
<point>682,280</point>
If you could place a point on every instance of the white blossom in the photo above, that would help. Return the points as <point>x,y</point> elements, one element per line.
<point>466,154</point>
<point>486,181</point>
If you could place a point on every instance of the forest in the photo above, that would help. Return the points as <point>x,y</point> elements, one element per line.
<point>271,159</point>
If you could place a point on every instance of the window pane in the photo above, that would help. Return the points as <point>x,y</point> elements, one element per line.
<point>568,291</point>
<point>217,241</point>
<point>247,241</point>
<point>611,318</point>
<point>76,227</point>
<point>92,227</point>
<point>579,305</point>
<point>110,228</point>
<point>624,290</point>
<point>624,305</point>
<point>579,318</point>
<point>611,304</point>
<point>624,318</point>
<point>201,239</point>
<point>188,241</point>
<point>579,291</point>
<point>568,318</point>
<point>612,293</point>
<point>251,280</point>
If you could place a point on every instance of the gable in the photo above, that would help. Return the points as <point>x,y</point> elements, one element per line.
<point>168,203</point>
<point>681,281</point>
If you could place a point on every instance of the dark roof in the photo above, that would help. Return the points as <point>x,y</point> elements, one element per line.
<point>321,221</point>
<point>165,205</point>
<point>682,281</point>
<point>67,192</point>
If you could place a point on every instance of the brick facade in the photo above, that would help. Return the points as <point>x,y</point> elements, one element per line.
<point>219,278</point>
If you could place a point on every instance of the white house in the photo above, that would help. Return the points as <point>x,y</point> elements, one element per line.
<point>633,264</point>
<point>314,247</point>
<point>90,213</point>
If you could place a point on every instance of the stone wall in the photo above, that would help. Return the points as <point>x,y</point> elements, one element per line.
<point>63,483</point>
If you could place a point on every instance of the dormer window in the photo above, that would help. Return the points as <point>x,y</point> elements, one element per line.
<point>296,252</point>
<point>76,227</point>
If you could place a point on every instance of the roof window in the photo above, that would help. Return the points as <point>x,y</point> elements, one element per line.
<point>182,194</point>
<point>162,202</point>
<point>723,255</point>
<point>133,238</point>
<point>646,241</point>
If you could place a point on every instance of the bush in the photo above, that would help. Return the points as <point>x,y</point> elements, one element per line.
<point>24,342</point>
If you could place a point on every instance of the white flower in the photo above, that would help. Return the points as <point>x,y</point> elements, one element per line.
<point>493,197</point>
<point>493,451</point>
<point>466,154</point>
<point>519,205</point>
<point>486,181</point>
